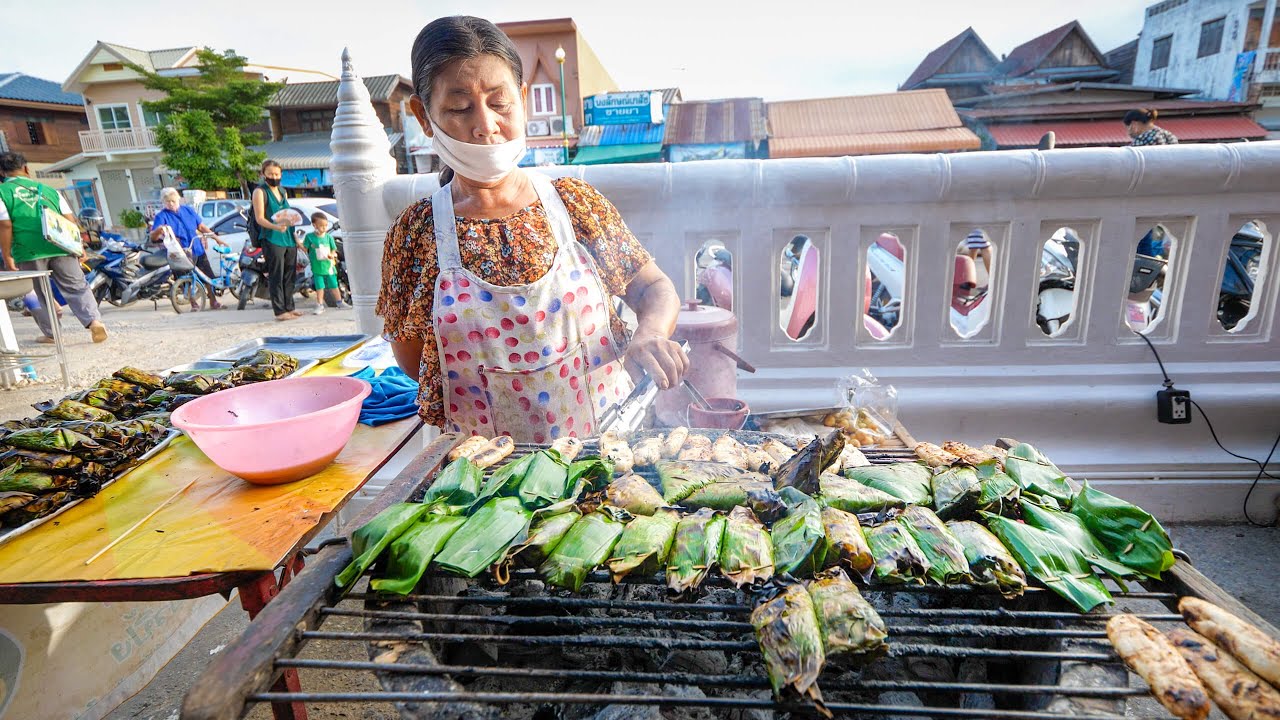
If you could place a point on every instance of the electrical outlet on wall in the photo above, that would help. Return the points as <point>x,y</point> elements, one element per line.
<point>1173,407</point>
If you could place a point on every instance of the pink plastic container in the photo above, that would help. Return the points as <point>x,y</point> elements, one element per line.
<point>275,432</point>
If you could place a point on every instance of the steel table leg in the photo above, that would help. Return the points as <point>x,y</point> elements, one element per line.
<point>56,325</point>
<point>254,596</point>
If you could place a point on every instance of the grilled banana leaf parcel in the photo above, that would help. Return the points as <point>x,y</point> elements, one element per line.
<point>456,487</point>
<point>695,549</point>
<point>50,462</point>
<point>634,494</point>
<point>103,432</point>
<point>592,472</point>
<point>1052,560</point>
<point>846,544</point>
<point>584,548</point>
<point>1131,533</point>
<point>746,554</point>
<point>246,374</point>
<point>759,496</point>
<point>791,642</point>
<point>803,470</point>
<point>485,537</point>
<point>39,507</point>
<point>899,560</point>
<point>35,481</point>
<point>1000,492</point>
<point>158,417</point>
<point>545,533</point>
<point>269,357</point>
<point>798,540</point>
<point>370,540</point>
<point>850,627</point>
<point>947,563</point>
<point>53,440</point>
<point>909,481</point>
<point>10,502</point>
<point>195,383</point>
<point>645,545</point>
<point>990,563</point>
<point>102,398</point>
<point>72,410</point>
<point>1073,530</point>
<point>1034,473</point>
<point>161,398</point>
<point>680,478</point>
<point>544,481</point>
<point>140,378</point>
<point>956,491</point>
<point>411,553</point>
<point>853,497</point>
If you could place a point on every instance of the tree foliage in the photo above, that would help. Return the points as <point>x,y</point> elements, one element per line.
<point>207,156</point>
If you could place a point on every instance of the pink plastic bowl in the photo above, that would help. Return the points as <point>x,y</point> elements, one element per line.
<point>275,432</point>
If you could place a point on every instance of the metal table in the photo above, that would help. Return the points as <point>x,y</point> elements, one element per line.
<point>11,358</point>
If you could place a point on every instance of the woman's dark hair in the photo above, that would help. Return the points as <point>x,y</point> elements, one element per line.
<point>269,163</point>
<point>1145,115</point>
<point>460,37</point>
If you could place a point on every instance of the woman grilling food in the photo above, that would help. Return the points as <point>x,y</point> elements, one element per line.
<point>497,291</point>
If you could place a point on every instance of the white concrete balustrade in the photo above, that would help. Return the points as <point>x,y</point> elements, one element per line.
<point>101,142</point>
<point>1086,396</point>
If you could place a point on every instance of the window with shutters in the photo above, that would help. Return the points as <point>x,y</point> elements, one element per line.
<point>542,99</point>
<point>1211,37</point>
<point>315,120</point>
<point>1160,52</point>
<point>35,133</point>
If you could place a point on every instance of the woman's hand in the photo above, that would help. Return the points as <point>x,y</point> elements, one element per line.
<point>663,359</point>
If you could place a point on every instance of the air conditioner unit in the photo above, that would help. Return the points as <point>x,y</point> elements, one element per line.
<point>537,128</point>
<point>558,126</point>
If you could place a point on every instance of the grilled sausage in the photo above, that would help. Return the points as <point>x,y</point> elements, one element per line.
<point>1156,660</point>
<point>469,447</point>
<point>675,441</point>
<point>568,447</point>
<point>1252,647</point>
<point>493,452</point>
<point>780,452</point>
<point>696,447</point>
<point>967,453</point>
<point>648,452</point>
<point>934,456</point>
<point>1239,693</point>
<point>616,450</point>
<point>729,451</point>
<point>758,460</point>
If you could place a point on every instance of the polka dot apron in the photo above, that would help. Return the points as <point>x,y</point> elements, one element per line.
<point>536,361</point>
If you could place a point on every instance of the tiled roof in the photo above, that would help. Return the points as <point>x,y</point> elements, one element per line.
<point>934,61</point>
<point>1082,133</point>
<point>910,121</point>
<point>312,94</point>
<point>628,134</point>
<point>1027,57</point>
<point>714,122</point>
<point>880,143</point>
<point>1097,110</point>
<point>150,59</point>
<point>17,86</point>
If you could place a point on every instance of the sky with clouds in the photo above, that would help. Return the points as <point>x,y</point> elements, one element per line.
<point>719,48</point>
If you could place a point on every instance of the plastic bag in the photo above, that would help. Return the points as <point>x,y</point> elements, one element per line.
<point>871,408</point>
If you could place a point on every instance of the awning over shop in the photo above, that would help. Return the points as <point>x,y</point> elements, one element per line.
<point>610,154</point>
<point>1082,133</point>
<point>909,141</point>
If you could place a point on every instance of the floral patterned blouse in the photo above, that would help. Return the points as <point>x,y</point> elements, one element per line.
<point>1155,136</point>
<point>513,250</point>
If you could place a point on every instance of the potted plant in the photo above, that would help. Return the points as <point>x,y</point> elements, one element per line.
<point>134,224</point>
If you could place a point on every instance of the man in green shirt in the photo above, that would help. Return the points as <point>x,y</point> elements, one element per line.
<point>22,202</point>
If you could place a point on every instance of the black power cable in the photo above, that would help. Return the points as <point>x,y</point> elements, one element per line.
<point>1262,466</point>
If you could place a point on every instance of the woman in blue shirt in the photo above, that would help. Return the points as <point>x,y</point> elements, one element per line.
<point>188,228</point>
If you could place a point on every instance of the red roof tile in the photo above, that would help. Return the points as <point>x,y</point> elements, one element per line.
<point>1100,110</point>
<point>1082,133</point>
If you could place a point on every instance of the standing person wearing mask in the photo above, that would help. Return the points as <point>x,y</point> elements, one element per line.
<point>1141,126</point>
<point>188,228</point>
<point>277,239</point>
<point>22,201</point>
<point>497,291</point>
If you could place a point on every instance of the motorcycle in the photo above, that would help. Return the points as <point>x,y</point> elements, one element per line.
<point>1056,296</point>
<point>1238,277</point>
<point>253,275</point>
<point>113,269</point>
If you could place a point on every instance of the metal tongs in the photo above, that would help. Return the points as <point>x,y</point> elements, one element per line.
<point>629,414</point>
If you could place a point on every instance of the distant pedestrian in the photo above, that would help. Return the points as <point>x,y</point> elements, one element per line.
<point>22,240</point>
<point>323,254</point>
<point>188,228</point>
<point>1141,125</point>
<point>277,237</point>
<point>976,244</point>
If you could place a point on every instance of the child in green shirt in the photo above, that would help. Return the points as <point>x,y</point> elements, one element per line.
<point>323,254</point>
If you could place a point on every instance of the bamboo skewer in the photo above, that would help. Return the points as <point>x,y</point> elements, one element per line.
<point>138,524</point>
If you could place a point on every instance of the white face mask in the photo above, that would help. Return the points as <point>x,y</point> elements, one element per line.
<point>481,163</point>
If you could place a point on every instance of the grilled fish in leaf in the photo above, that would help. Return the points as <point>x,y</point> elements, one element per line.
<point>1035,473</point>
<point>21,459</point>
<point>584,547</point>
<point>72,410</point>
<point>53,440</point>
<point>947,563</point>
<point>34,481</point>
<point>179,400</point>
<point>846,544</point>
<point>803,470</point>
<point>103,398</point>
<point>909,481</point>
<point>956,491</point>
<point>899,560</point>
<point>759,496</point>
<point>141,378</point>
<point>1073,530</point>
<point>545,533</point>
<point>798,545</point>
<point>635,495</point>
<point>103,432</point>
<point>371,539</point>
<point>851,628</point>
<point>791,642</point>
<point>196,383</point>
<point>746,553</point>
<point>680,478</point>
<point>1052,560</point>
<point>853,497</point>
<point>502,482</point>
<point>645,545</point>
<point>485,537</point>
<point>409,555</point>
<point>544,481</point>
<point>990,563</point>
<point>455,488</point>
<point>1131,533</point>
<point>694,550</point>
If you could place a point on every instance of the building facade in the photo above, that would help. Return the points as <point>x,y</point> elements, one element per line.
<point>39,120</point>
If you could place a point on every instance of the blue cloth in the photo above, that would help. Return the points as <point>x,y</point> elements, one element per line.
<point>185,223</point>
<point>394,396</point>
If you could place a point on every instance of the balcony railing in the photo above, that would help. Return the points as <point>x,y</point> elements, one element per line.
<point>1271,61</point>
<point>102,142</point>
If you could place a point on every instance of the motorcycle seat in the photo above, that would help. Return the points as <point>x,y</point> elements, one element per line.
<point>154,261</point>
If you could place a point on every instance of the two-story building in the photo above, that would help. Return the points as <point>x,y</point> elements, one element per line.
<point>39,120</point>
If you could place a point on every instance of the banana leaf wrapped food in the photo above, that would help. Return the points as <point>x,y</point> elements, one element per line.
<point>759,496</point>
<point>1000,493</point>
<point>798,545</point>
<point>846,544</point>
<point>140,378</point>
<point>947,563</point>
<point>52,462</point>
<point>35,481</point>
<point>142,429</point>
<point>196,383</point>
<point>1072,529</point>
<point>585,547</point>
<point>72,410</point>
<point>54,440</point>
<point>160,418</point>
<point>104,398</point>
<point>850,627</point>
<point>545,533</point>
<point>956,491</point>
<point>990,563</point>
<point>645,545</point>
<point>695,549</point>
<point>899,560</point>
<point>455,488</point>
<point>409,555</point>
<point>160,398</point>
<point>368,542</point>
<point>1131,533</point>
<point>42,505</point>
<point>909,481</point>
<point>803,470</point>
<point>246,374</point>
<point>485,537</point>
<point>680,478</point>
<point>268,357</point>
<point>635,495</point>
<point>791,642</point>
<point>179,400</point>
<point>1034,473</point>
<point>12,501</point>
<point>746,552</point>
<point>544,481</point>
<point>1052,560</point>
<point>593,473</point>
<point>854,497</point>
<point>102,432</point>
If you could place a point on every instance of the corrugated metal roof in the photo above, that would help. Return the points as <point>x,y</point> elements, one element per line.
<point>934,61</point>
<point>715,122</point>
<point>669,95</point>
<point>1105,110</point>
<point>885,113</point>
<point>162,59</point>
<point>629,134</point>
<point>876,143</point>
<point>1081,133</point>
<point>307,151</point>
<point>1121,60</point>
<point>17,86</point>
<point>312,94</point>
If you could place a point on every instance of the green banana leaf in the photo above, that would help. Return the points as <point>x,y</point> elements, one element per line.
<point>484,538</point>
<point>947,563</point>
<point>545,533</point>
<point>852,496</point>
<point>1035,473</point>
<point>409,554</point>
<point>899,559</point>
<point>595,472</point>
<point>990,563</point>
<point>956,491</point>
<point>370,540</point>
<point>906,480</point>
<point>760,497</point>
<point>456,487</point>
<point>1049,558</point>
<point>584,548</point>
<point>1131,533</point>
<point>999,491</point>
<point>544,481</point>
<point>798,538</point>
<point>1073,530</point>
<point>694,550</point>
<point>504,481</point>
<point>849,625</point>
<point>645,545</point>
<point>746,554</point>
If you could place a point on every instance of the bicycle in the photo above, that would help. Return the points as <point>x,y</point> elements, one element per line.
<point>191,288</point>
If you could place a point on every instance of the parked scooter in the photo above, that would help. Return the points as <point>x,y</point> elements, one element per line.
<point>113,269</point>
<point>1057,281</point>
<point>1238,277</point>
<point>253,276</point>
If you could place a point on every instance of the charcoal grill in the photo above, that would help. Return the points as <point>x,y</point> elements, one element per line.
<point>473,649</point>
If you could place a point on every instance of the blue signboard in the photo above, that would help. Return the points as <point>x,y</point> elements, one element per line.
<point>623,108</point>
<point>1239,77</point>
<point>309,179</point>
